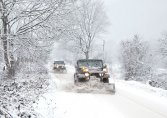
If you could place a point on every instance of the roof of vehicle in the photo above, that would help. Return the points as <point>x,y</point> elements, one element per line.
<point>59,62</point>
<point>89,60</point>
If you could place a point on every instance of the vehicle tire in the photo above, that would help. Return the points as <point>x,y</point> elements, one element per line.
<point>105,80</point>
<point>75,79</point>
<point>114,90</point>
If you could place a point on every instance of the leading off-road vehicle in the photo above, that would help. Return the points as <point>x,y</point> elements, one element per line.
<point>87,69</point>
<point>59,66</point>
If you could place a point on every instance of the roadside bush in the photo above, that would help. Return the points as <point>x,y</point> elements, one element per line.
<point>136,60</point>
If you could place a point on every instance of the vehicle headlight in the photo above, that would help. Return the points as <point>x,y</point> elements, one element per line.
<point>87,74</point>
<point>84,69</point>
<point>100,74</point>
<point>105,70</point>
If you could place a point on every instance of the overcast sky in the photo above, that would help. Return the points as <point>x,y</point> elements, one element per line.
<point>148,18</point>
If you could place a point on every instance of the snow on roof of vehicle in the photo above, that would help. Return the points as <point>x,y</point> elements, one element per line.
<point>90,63</point>
<point>89,60</point>
<point>59,62</point>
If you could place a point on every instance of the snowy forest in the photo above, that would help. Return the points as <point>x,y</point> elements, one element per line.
<point>143,62</point>
<point>29,31</point>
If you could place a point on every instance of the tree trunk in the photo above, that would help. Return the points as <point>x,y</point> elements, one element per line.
<point>87,54</point>
<point>9,63</point>
<point>5,42</point>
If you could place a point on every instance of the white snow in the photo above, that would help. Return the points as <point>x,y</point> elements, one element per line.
<point>132,100</point>
<point>145,96</point>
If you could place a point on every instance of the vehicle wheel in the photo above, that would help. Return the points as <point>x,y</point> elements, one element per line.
<point>75,79</point>
<point>105,80</point>
<point>113,89</point>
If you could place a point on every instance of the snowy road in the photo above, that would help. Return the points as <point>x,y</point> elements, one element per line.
<point>128,102</point>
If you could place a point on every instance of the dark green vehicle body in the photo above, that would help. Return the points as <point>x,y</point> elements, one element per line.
<point>85,68</point>
<point>59,66</point>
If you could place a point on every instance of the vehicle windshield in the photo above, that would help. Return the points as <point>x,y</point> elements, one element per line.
<point>59,62</point>
<point>90,63</point>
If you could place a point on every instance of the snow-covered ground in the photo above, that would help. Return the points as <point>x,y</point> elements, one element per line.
<point>132,100</point>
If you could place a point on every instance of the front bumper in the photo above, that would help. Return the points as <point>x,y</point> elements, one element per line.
<point>82,76</point>
<point>59,68</point>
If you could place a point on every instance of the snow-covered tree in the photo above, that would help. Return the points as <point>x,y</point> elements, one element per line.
<point>28,28</point>
<point>163,48</point>
<point>135,59</point>
<point>88,23</point>
<point>24,22</point>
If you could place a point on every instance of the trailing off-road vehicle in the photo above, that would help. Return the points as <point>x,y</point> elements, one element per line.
<point>89,69</point>
<point>59,67</point>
